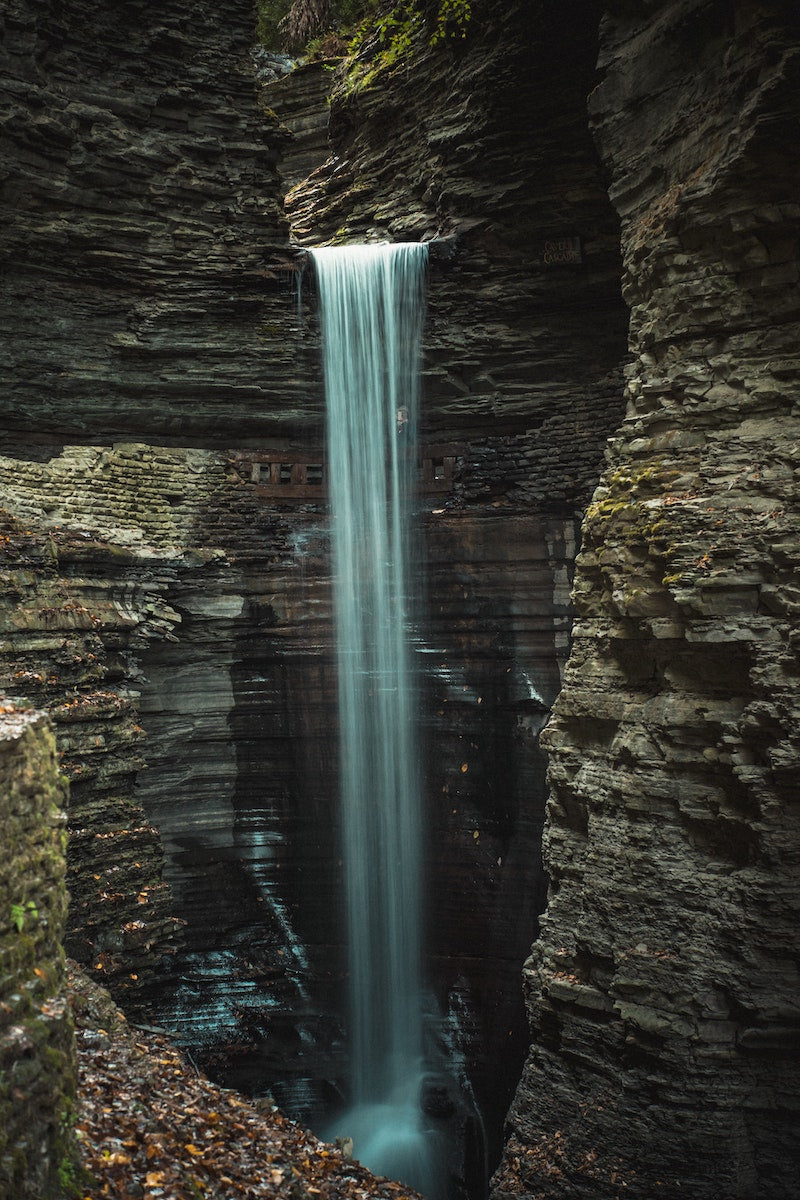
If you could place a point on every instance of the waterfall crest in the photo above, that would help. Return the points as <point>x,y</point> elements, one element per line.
<point>372,305</point>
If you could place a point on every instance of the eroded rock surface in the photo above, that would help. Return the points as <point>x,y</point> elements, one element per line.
<point>140,219</point>
<point>171,609</point>
<point>663,990</point>
<point>37,1064</point>
<point>484,148</point>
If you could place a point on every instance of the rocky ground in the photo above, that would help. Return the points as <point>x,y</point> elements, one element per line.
<point>149,1125</point>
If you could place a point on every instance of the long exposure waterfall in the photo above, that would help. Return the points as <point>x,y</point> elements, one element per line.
<point>372,300</point>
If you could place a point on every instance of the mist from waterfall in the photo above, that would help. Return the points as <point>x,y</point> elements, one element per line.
<point>372,305</point>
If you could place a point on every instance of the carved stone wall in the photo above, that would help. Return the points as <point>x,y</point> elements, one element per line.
<point>662,992</point>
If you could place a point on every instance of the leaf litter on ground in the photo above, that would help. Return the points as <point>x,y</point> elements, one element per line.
<point>151,1127</point>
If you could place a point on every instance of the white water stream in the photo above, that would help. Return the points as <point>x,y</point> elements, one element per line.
<point>372,305</point>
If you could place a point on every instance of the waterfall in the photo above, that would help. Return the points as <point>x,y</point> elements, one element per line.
<point>372,303</point>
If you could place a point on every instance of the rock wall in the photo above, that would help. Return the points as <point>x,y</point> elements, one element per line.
<point>83,588</point>
<point>484,150</point>
<point>140,213</point>
<point>662,993</point>
<point>37,1070</point>
<point>170,607</point>
<point>177,628</point>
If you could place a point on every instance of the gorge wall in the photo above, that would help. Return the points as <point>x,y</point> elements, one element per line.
<point>138,197</point>
<point>37,1069</point>
<point>485,149</point>
<point>140,205</point>
<point>166,587</point>
<point>663,992</point>
<point>166,578</point>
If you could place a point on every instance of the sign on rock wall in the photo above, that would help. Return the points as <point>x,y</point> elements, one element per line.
<point>560,252</point>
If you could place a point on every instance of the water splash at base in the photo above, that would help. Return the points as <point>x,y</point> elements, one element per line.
<point>394,1139</point>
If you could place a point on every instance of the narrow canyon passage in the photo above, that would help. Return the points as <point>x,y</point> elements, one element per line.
<point>604,648</point>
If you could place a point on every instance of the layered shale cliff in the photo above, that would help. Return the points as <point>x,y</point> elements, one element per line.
<point>140,207</point>
<point>166,581</point>
<point>484,149</point>
<point>166,574</point>
<point>663,990</point>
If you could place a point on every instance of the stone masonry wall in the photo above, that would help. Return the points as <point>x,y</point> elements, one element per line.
<point>36,1053</point>
<point>663,991</point>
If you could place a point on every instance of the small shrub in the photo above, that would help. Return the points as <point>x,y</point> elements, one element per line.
<point>309,25</point>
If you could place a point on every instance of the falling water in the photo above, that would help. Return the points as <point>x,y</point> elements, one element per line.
<point>372,301</point>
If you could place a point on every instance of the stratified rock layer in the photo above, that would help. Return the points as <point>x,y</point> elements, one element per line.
<point>483,147</point>
<point>178,629</point>
<point>170,608</point>
<point>663,992</point>
<point>139,203</point>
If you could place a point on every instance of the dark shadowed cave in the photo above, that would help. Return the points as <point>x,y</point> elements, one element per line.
<point>608,490</point>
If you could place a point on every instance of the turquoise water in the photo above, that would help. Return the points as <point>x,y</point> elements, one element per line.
<point>372,307</point>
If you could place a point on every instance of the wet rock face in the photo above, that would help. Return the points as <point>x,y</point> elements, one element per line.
<point>250,820</point>
<point>662,992</point>
<point>178,629</point>
<point>485,149</point>
<point>87,560</point>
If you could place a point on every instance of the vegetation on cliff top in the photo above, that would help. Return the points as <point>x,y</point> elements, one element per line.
<point>344,25</point>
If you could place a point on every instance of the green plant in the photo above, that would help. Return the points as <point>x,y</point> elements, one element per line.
<point>20,911</point>
<point>396,31</point>
<point>269,14</point>
<point>451,20</point>
<point>387,36</point>
<point>67,1177</point>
